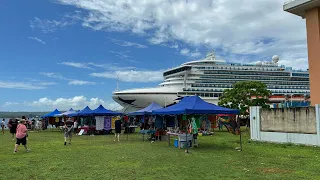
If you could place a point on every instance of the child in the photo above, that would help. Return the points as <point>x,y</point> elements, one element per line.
<point>21,136</point>
<point>2,126</point>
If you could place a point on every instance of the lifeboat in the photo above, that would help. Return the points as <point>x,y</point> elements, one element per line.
<point>275,98</point>
<point>296,98</point>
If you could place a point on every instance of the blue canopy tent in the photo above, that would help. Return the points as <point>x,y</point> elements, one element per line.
<point>56,111</point>
<point>71,111</point>
<point>67,113</point>
<point>194,105</point>
<point>101,111</point>
<point>147,110</point>
<point>84,112</point>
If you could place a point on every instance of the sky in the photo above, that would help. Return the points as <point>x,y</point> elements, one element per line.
<point>71,53</point>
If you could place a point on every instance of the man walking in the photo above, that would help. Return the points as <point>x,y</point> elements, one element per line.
<point>13,123</point>
<point>68,127</point>
<point>118,127</point>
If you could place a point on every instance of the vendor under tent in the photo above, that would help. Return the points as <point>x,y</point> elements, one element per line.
<point>192,105</point>
<point>147,110</point>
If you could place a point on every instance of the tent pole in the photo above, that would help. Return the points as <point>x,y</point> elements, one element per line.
<point>187,145</point>
<point>127,126</point>
<point>238,124</point>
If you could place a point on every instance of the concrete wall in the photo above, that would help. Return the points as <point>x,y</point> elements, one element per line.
<point>296,135</point>
<point>295,120</point>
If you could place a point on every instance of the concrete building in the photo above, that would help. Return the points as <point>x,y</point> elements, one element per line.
<point>310,10</point>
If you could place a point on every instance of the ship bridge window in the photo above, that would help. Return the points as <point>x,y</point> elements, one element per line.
<point>177,70</point>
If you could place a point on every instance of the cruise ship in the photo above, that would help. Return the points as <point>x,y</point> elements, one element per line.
<point>209,77</point>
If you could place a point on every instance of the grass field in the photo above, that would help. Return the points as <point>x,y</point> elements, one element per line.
<point>99,157</point>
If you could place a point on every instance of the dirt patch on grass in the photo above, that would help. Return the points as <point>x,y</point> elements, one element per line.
<point>276,170</point>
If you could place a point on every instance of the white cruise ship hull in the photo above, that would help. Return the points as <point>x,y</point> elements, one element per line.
<point>162,96</point>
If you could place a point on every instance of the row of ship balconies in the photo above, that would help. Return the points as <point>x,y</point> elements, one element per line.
<point>231,86</point>
<point>262,78</point>
<point>240,68</point>
<point>274,91</point>
<point>288,74</point>
<point>266,68</point>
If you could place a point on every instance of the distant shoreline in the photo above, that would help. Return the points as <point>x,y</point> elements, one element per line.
<point>20,114</point>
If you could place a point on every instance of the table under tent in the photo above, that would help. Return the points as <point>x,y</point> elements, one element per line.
<point>188,108</point>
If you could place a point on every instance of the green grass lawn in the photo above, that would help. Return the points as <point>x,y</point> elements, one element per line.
<point>99,157</point>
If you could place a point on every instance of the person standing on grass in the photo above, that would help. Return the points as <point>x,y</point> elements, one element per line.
<point>118,127</point>
<point>2,126</point>
<point>21,136</point>
<point>26,124</point>
<point>13,124</point>
<point>68,127</point>
<point>75,126</point>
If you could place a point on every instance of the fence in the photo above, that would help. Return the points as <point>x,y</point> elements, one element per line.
<point>295,125</point>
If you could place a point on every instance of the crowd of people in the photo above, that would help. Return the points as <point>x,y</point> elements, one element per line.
<point>19,130</point>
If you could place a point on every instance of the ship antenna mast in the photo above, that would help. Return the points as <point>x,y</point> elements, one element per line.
<point>211,55</point>
<point>117,89</point>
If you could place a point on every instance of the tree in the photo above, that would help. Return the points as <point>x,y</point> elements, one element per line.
<point>245,94</point>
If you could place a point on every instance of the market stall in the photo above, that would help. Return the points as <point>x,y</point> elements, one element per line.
<point>147,120</point>
<point>51,119</point>
<point>103,118</point>
<point>192,105</point>
<point>85,120</point>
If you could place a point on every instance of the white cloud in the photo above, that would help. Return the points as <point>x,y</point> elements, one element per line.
<point>111,66</point>
<point>21,85</point>
<point>53,75</point>
<point>7,104</point>
<point>76,102</point>
<point>79,82</point>
<point>245,27</point>
<point>37,39</point>
<point>186,52</point>
<point>127,43</point>
<point>49,26</point>
<point>123,55</point>
<point>47,83</point>
<point>132,75</point>
<point>77,65</point>
<point>71,81</point>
